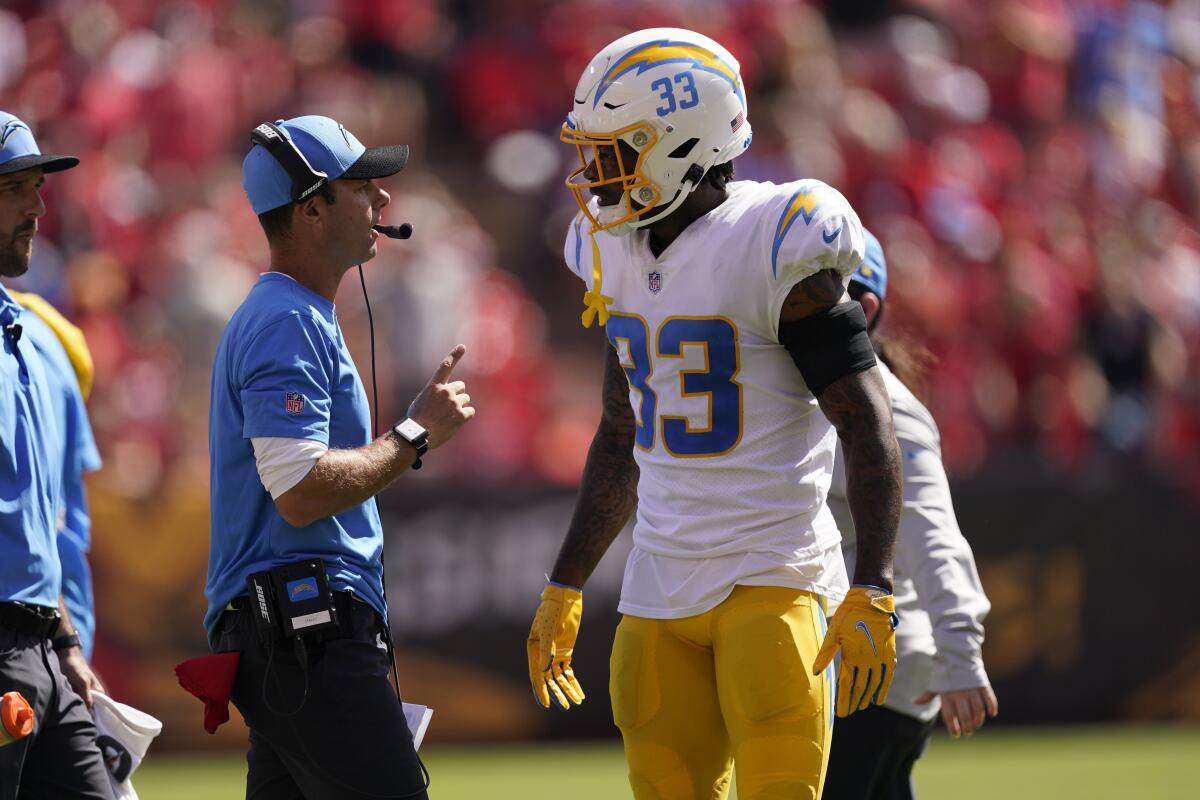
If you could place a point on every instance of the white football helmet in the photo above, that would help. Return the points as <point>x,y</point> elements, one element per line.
<point>674,96</point>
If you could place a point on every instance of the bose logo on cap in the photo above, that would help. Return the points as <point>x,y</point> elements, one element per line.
<point>267,131</point>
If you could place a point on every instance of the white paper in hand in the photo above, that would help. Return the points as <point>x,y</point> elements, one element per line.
<point>123,735</point>
<point>417,718</point>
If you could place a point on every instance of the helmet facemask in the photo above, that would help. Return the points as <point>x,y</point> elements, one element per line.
<point>639,194</point>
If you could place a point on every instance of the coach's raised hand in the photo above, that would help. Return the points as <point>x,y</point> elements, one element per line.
<point>443,406</point>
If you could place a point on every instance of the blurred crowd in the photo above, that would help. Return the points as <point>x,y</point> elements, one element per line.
<point>1031,166</point>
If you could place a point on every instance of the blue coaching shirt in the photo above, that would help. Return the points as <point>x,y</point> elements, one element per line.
<point>79,455</point>
<point>30,470</point>
<point>282,369</point>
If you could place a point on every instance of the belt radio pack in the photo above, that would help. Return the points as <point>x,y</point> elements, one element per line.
<point>292,600</point>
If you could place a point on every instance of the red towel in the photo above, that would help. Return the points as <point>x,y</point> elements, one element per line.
<point>211,679</point>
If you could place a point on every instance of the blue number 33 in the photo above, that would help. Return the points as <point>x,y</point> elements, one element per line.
<point>718,337</point>
<point>666,93</point>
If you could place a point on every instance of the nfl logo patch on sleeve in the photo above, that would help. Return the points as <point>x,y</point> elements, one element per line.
<point>294,402</point>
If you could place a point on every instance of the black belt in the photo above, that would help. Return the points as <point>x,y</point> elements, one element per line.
<point>342,600</point>
<point>36,621</point>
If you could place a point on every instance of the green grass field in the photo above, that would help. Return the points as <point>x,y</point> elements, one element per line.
<point>1158,763</point>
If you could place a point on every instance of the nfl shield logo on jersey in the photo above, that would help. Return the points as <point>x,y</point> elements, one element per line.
<point>294,402</point>
<point>654,282</point>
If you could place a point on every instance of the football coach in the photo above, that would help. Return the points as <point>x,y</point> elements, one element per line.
<point>39,651</point>
<point>295,579</point>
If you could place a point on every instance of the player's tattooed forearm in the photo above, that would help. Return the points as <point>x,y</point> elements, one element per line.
<point>815,293</point>
<point>618,414</point>
<point>859,407</point>
<point>608,491</point>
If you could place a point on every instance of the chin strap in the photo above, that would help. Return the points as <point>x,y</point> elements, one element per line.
<point>596,303</point>
<point>694,175</point>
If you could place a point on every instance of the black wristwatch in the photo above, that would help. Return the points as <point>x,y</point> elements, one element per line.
<point>60,643</point>
<point>413,433</point>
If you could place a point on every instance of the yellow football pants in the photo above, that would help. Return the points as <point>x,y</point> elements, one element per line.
<point>692,696</point>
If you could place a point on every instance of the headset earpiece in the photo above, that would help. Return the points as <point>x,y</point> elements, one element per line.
<point>305,179</point>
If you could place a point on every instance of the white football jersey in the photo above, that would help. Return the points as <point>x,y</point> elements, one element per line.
<point>735,455</point>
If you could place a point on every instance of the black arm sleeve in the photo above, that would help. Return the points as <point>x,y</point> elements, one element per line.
<point>829,345</point>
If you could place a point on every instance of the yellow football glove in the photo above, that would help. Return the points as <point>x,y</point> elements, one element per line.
<point>551,643</point>
<point>864,627</point>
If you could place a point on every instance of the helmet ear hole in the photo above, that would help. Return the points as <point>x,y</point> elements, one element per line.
<point>683,149</point>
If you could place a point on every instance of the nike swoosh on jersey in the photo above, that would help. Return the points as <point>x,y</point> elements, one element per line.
<point>862,626</point>
<point>830,237</point>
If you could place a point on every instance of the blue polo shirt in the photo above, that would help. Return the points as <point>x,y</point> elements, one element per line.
<point>79,455</point>
<point>282,369</point>
<point>30,469</point>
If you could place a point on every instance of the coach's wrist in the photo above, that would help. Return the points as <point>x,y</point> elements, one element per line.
<point>415,435</point>
<point>65,642</point>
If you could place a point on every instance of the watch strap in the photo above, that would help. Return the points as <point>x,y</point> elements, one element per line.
<point>65,642</point>
<point>419,443</point>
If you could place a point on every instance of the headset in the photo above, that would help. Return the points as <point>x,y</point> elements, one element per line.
<point>305,180</point>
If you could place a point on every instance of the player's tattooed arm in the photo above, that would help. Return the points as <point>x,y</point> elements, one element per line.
<point>860,409</point>
<point>818,292</point>
<point>608,491</point>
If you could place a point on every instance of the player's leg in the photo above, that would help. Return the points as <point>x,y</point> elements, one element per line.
<point>664,699</point>
<point>776,711</point>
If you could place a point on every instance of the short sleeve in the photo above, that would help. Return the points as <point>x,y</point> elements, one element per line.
<point>285,380</point>
<point>815,229</point>
<point>81,441</point>
<point>577,250</point>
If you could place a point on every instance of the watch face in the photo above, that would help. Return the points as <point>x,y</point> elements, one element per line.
<point>410,430</point>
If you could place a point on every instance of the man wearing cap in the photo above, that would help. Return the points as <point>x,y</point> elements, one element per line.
<point>294,474</point>
<point>60,758</point>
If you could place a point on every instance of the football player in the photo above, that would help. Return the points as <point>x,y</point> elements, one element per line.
<point>938,593</point>
<point>735,362</point>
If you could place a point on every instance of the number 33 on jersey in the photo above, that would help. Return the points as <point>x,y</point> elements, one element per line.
<point>696,329</point>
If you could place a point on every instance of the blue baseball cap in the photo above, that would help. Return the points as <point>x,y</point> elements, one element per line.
<point>327,147</point>
<point>872,274</point>
<point>19,151</point>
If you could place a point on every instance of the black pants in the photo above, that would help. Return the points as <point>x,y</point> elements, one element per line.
<point>60,758</point>
<point>873,753</point>
<point>332,729</point>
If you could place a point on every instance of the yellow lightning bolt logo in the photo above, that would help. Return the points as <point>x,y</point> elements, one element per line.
<point>804,203</point>
<point>664,51</point>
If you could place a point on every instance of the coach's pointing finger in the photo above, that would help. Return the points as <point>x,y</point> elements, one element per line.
<point>442,373</point>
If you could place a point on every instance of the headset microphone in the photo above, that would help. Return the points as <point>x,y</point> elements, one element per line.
<point>394,231</point>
